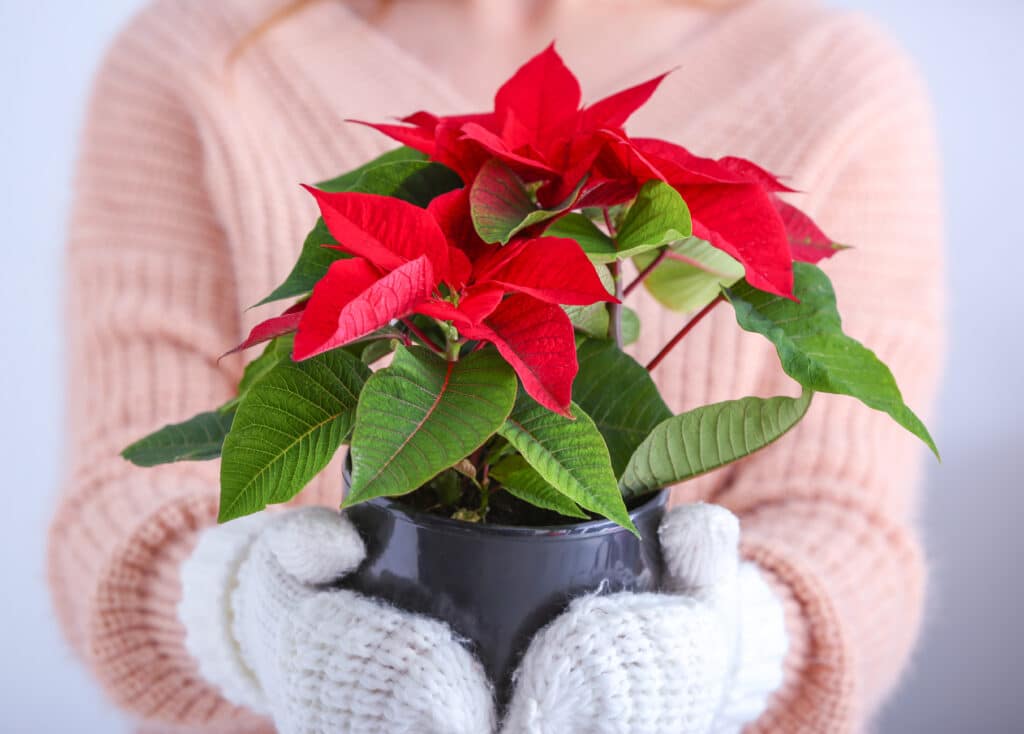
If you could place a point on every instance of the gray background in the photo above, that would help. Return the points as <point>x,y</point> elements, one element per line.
<point>965,675</point>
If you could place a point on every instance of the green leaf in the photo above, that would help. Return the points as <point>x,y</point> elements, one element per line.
<point>287,429</point>
<point>200,438</point>
<point>570,455</point>
<point>378,349</point>
<point>312,265</point>
<point>691,276</point>
<point>416,182</point>
<point>413,180</point>
<point>376,342</point>
<point>709,437</point>
<point>277,351</point>
<point>521,480</point>
<point>501,205</point>
<point>197,439</point>
<point>815,352</point>
<point>448,487</point>
<point>346,181</point>
<point>620,396</point>
<point>423,414</point>
<point>591,239</point>
<point>658,217</point>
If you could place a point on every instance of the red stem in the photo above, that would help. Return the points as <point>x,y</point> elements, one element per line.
<point>642,276</point>
<point>682,333</point>
<point>427,341</point>
<point>608,223</point>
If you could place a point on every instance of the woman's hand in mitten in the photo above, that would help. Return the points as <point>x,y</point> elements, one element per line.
<point>701,657</point>
<point>268,631</point>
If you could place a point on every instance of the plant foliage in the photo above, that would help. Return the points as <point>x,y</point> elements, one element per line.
<point>488,259</point>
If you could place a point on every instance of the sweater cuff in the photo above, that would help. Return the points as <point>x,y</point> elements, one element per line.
<point>818,691</point>
<point>208,580</point>
<point>133,638</point>
<point>761,652</point>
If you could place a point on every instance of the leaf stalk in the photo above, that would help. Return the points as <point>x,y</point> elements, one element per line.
<point>674,341</point>
<point>642,276</point>
<point>422,336</point>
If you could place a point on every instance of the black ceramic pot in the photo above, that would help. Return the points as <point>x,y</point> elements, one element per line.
<point>497,585</point>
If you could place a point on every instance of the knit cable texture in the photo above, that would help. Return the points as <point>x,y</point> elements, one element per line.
<point>319,660</point>
<point>702,658</point>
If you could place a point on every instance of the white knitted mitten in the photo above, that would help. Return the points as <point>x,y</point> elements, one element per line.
<point>265,630</point>
<point>702,658</point>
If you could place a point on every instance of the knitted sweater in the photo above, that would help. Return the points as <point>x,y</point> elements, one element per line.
<point>188,211</point>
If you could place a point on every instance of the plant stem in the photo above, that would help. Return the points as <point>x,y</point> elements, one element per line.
<point>608,222</point>
<point>485,501</point>
<point>614,309</point>
<point>427,341</point>
<point>477,456</point>
<point>642,276</point>
<point>683,332</point>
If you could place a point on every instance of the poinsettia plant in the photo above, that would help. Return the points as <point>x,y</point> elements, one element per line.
<point>482,264</point>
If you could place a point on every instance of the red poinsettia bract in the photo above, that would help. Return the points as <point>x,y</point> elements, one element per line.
<point>407,260</point>
<point>537,128</point>
<point>540,131</point>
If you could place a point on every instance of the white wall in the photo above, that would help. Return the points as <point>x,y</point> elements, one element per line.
<point>48,50</point>
<point>965,676</point>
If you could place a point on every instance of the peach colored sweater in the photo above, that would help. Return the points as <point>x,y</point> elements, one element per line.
<point>188,210</point>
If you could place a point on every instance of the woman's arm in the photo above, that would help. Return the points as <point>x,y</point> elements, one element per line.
<point>150,304</point>
<point>828,511</point>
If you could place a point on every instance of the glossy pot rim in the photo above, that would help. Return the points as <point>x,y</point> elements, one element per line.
<point>437,523</point>
<point>428,521</point>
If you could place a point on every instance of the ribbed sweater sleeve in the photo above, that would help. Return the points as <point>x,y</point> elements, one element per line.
<point>150,304</point>
<point>829,510</point>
